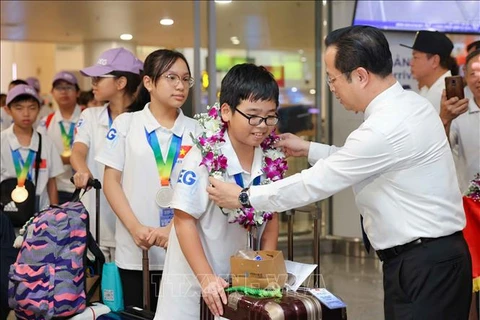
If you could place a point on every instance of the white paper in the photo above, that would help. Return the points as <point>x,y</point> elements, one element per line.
<point>301,271</point>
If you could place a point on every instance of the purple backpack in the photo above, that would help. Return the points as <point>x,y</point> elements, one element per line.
<point>48,278</point>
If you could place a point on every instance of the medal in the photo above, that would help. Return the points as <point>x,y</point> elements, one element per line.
<point>19,194</point>
<point>164,197</point>
<point>66,153</point>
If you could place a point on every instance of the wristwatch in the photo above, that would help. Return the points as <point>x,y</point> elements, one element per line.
<point>243,198</point>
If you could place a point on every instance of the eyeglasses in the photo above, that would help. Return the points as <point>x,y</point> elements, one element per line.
<point>174,80</point>
<point>257,120</point>
<point>330,81</point>
<point>65,88</point>
<point>96,80</point>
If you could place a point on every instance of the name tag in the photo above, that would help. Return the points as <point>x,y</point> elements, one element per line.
<point>166,215</point>
<point>327,298</point>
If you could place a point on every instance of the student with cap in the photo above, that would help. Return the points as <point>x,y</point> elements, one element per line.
<point>5,119</point>
<point>431,63</point>
<point>115,78</point>
<point>20,143</point>
<point>60,126</point>
<point>401,169</point>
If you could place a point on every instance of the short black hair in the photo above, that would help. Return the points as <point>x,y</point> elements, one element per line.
<point>17,82</point>
<point>361,46</point>
<point>3,99</point>
<point>248,81</point>
<point>475,44</point>
<point>472,55</point>
<point>133,81</point>
<point>23,97</point>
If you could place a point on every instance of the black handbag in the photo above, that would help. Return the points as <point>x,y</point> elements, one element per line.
<point>19,213</point>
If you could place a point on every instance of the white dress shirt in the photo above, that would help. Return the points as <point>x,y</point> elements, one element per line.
<point>400,166</point>
<point>465,144</point>
<point>434,93</point>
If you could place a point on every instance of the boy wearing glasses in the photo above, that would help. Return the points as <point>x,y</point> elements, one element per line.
<point>59,126</point>
<point>202,240</point>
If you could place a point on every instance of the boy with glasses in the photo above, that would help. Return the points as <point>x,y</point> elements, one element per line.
<point>60,125</point>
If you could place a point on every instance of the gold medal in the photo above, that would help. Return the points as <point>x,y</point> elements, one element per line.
<point>66,153</point>
<point>164,197</point>
<point>19,194</point>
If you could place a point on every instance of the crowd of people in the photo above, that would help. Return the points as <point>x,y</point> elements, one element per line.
<point>409,163</point>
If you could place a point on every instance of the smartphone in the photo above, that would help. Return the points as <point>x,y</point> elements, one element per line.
<point>454,87</point>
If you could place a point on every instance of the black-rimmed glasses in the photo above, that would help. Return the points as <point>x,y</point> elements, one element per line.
<point>257,120</point>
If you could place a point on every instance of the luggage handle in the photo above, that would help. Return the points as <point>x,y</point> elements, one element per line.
<point>146,280</point>
<point>317,216</point>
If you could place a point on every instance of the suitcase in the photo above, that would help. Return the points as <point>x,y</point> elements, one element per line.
<point>293,305</point>
<point>133,312</point>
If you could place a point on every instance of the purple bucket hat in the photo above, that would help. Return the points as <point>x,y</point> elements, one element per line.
<point>22,89</point>
<point>117,59</point>
<point>65,76</point>
<point>33,82</point>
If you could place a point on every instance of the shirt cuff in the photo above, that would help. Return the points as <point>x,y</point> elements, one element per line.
<point>319,151</point>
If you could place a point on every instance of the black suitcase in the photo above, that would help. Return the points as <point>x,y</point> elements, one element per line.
<point>292,305</point>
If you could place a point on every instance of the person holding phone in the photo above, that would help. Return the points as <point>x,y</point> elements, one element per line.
<point>431,63</point>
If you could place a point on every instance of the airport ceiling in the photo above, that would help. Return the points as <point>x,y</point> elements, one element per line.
<point>273,25</point>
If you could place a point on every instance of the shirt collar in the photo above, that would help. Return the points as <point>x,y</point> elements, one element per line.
<point>151,124</point>
<point>13,141</point>
<point>472,106</point>
<point>104,116</point>
<point>382,99</point>
<point>75,115</point>
<point>234,166</point>
<point>441,80</point>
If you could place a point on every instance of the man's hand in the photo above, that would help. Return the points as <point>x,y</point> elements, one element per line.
<point>159,236</point>
<point>213,293</point>
<point>140,234</point>
<point>452,108</point>
<point>224,194</point>
<point>293,145</point>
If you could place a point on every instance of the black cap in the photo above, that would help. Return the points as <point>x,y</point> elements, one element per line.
<point>473,46</point>
<point>433,42</point>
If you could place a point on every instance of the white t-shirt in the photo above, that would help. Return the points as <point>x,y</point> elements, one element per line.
<point>401,169</point>
<point>126,149</point>
<point>465,144</point>
<point>434,93</point>
<point>5,119</point>
<point>54,132</point>
<point>50,165</point>
<point>220,239</point>
<point>91,130</point>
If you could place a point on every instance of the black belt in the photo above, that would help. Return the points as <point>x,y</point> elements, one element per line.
<point>392,252</point>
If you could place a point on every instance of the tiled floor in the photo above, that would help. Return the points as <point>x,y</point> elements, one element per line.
<point>358,281</point>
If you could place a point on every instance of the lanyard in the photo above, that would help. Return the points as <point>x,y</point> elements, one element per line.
<point>239,180</point>
<point>164,167</point>
<point>67,138</point>
<point>22,169</point>
<point>110,121</point>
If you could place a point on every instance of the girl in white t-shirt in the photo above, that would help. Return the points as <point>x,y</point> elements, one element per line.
<point>115,78</point>
<point>137,180</point>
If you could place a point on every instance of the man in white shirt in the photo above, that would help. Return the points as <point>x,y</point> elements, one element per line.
<point>401,169</point>
<point>461,118</point>
<point>431,63</point>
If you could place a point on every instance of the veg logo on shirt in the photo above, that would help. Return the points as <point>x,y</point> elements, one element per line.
<point>112,134</point>
<point>187,177</point>
<point>79,123</point>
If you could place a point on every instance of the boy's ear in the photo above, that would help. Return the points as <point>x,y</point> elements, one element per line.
<point>226,112</point>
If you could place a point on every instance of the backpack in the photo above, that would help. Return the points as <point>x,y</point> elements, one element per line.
<point>48,278</point>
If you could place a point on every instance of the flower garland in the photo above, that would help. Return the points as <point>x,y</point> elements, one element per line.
<point>210,142</point>
<point>474,188</point>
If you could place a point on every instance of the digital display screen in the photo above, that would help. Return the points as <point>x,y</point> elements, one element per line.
<point>413,15</point>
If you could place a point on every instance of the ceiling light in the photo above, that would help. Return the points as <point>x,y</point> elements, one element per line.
<point>223,1</point>
<point>236,42</point>
<point>166,22</point>
<point>294,89</point>
<point>126,36</point>
<point>303,59</point>
<point>312,91</point>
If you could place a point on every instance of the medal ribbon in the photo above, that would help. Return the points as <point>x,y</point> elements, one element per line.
<point>239,180</point>
<point>22,169</point>
<point>67,138</point>
<point>164,167</point>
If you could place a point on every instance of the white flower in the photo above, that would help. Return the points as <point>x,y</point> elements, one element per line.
<point>212,127</point>
<point>274,154</point>
<point>217,175</point>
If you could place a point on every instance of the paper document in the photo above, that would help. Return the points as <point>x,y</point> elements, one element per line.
<point>297,273</point>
